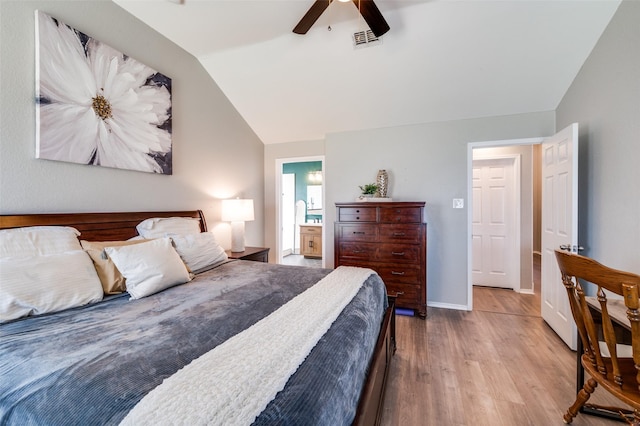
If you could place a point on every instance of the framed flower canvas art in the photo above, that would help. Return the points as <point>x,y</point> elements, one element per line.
<point>98,106</point>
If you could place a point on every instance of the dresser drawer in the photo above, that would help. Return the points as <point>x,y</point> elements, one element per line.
<point>311,230</point>
<point>357,214</point>
<point>399,273</point>
<point>357,232</point>
<point>410,293</point>
<point>357,251</point>
<point>400,214</point>
<point>398,232</point>
<point>398,253</point>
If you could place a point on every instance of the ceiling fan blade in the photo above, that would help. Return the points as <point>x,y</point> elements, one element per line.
<point>372,16</point>
<point>311,16</point>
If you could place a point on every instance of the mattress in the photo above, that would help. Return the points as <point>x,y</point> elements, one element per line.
<point>92,365</point>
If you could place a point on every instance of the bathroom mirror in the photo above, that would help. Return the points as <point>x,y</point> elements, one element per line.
<point>314,199</point>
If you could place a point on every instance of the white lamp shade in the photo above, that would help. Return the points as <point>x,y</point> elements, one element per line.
<point>237,209</point>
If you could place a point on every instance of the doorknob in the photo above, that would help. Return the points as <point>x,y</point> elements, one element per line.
<point>570,248</point>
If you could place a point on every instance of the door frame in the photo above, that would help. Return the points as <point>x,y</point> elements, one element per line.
<point>470,148</point>
<point>516,171</point>
<point>284,211</point>
<point>278,201</point>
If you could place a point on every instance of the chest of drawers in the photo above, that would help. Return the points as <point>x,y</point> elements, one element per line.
<point>391,239</point>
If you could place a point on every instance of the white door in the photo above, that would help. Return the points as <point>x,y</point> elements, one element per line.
<point>559,226</point>
<point>288,212</point>
<point>496,258</point>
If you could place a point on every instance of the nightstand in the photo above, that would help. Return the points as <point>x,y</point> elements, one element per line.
<point>257,254</point>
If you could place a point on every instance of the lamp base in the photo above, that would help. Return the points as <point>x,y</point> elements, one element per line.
<point>237,236</point>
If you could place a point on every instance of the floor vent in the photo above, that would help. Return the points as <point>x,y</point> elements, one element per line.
<point>365,39</point>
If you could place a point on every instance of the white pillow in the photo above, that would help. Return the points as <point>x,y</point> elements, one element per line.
<point>39,284</point>
<point>159,227</point>
<point>149,267</point>
<point>38,240</point>
<point>199,251</point>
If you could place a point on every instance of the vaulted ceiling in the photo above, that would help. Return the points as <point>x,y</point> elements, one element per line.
<point>442,59</point>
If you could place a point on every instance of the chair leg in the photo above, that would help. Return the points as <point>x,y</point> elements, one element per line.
<point>581,399</point>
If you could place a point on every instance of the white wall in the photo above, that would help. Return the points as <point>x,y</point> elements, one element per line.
<point>215,154</point>
<point>605,100</point>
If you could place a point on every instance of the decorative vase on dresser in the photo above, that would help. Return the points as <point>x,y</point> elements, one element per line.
<point>382,180</point>
<point>391,239</point>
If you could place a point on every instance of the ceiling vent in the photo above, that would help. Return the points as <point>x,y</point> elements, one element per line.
<point>365,39</point>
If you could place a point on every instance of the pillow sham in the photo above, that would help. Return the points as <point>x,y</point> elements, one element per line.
<point>111,279</point>
<point>149,267</point>
<point>159,227</point>
<point>199,251</point>
<point>38,240</point>
<point>39,284</point>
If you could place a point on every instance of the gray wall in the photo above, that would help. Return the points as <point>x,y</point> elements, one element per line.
<point>605,100</point>
<point>426,162</point>
<point>215,154</point>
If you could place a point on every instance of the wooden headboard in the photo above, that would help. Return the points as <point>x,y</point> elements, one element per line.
<point>96,226</point>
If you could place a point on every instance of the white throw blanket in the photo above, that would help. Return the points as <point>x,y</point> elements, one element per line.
<point>233,383</point>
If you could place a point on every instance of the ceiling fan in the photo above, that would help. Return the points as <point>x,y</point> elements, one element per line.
<point>367,8</point>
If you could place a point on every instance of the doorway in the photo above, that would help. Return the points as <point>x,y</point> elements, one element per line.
<point>299,205</point>
<point>521,153</point>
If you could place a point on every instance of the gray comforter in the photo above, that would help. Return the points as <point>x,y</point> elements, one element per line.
<point>91,365</point>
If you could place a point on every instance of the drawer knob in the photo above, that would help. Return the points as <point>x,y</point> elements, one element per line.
<point>396,253</point>
<point>358,232</point>
<point>357,217</point>
<point>397,273</point>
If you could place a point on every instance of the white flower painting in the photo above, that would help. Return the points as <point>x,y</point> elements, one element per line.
<point>98,106</point>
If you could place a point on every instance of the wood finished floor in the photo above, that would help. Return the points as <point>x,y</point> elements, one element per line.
<point>497,365</point>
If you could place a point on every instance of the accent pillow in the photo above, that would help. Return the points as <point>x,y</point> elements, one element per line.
<point>199,251</point>
<point>112,280</point>
<point>149,267</point>
<point>38,240</point>
<point>39,284</point>
<point>159,227</point>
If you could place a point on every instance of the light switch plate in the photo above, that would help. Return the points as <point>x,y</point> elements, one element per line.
<point>458,203</point>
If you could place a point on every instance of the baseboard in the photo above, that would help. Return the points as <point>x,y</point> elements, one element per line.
<point>447,306</point>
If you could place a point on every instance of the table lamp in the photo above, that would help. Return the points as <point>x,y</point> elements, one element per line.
<point>237,211</point>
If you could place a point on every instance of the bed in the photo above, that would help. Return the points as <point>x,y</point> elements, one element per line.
<point>103,362</point>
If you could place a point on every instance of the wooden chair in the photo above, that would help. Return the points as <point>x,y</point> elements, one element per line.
<point>618,375</point>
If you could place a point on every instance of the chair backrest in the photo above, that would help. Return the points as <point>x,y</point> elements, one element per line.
<point>577,269</point>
